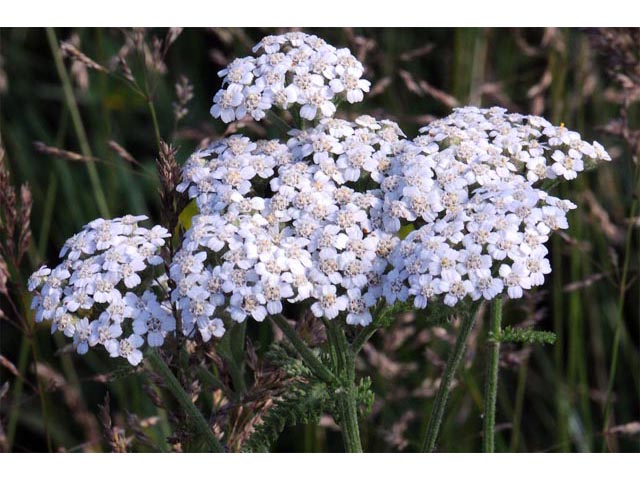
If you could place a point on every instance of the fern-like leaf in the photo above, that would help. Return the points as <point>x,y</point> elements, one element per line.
<point>303,401</point>
<point>526,335</point>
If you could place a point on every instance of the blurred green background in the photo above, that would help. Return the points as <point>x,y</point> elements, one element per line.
<point>552,398</point>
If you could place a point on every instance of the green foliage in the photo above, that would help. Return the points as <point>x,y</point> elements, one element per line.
<point>526,335</point>
<point>303,400</point>
<point>301,403</point>
<point>365,396</point>
<point>480,66</point>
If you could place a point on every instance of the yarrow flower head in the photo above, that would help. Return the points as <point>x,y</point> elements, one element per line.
<point>293,70</point>
<point>467,190</point>
<point>342,216</point>
<point>294,226</point>
<point>105,291</point>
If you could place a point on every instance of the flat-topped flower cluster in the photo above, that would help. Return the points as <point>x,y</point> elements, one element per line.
<point>343,215</point>
<point>286,223</point>
<point>468,187</point>
<point>105,291</point>
<point>294,71</point>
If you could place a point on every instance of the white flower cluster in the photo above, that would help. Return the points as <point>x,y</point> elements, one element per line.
<point>104,292</point>
<point>290,226</point>
<point>292,69</point>
<point>526,143</point>
<point>340,215</point>
<point>465,191</point>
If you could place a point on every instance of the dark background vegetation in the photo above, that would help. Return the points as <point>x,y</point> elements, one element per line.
<point>552,398</point>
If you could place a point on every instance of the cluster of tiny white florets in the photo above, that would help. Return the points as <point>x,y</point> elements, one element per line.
<point>105,291</point>
<point>294,69</point>
<point>465,191</point>
<point>292,227</point>
<point>341,215</point>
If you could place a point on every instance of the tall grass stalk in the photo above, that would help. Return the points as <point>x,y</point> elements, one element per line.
<point>615,347</point>
<point>78,126</point>
<point>557,59</point>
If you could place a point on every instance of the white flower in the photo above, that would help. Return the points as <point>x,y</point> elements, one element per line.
<point>358,312</point>
<point>567,166</point>
<point>274,293</point>
<point>329,304</point>
<point>469,180</point>
<point>516,278</point>
<point>156,325</point>
<point>225,103</point>
<point>128,348</point>
<point>487,287</point>
<point>456,291</point>
<point>106,334</point>
<point>351,84</point>
<point>130,271</point>
<point>247,301</point>
<point>255,103</point>
<point>211,327</point>
<point>38,278</point>
<point>81,336</point>
<point>538,266</point>
<point>317,101</point>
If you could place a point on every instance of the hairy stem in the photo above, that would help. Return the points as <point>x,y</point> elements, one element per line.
<point>238,340</point>
<point>200,425</point>
<point>310,358</point>
<point>440,401</point>
<point>349,421</point>
<point>491,380</point>
<point>347,401</point>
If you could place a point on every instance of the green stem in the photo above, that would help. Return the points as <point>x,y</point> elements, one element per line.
<point>440,401</point>
<point>238,334</point>
<point>367,332</point>
<point>349,421</point>
<point>23,358</point>
<point>608,409</point>
<point>363,336</point>
<point>154,119</point>
<point>200,425</point>
<point>491,380</point>
<point>32,341</point>
<point>347,401</point>
<point>40,389</point>
<point>78,126</point>
<point>310,358</point>
<point>149,97</point>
